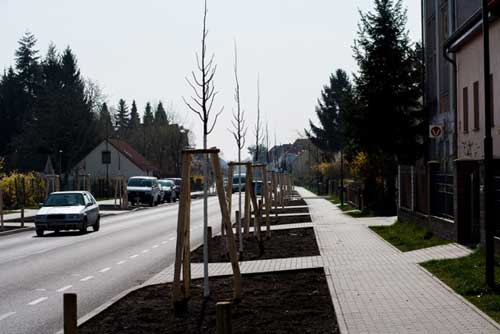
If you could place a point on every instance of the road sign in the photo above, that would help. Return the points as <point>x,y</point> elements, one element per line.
<point>435,131</point>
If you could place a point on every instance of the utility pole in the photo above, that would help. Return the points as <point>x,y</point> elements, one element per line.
<point>489,190</point>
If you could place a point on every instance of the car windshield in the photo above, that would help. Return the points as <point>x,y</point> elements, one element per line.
<point>65,200</point>
<point>166,183</point>
<point>140,183</point>
<point>235,179</point>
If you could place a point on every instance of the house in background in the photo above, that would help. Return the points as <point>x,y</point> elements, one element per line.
<point>113,158</point>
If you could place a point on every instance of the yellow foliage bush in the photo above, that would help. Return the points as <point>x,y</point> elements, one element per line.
<point>360,164</point>
<point>12,189</point>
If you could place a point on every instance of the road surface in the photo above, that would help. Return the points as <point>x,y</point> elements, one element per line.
<point>128,250</point>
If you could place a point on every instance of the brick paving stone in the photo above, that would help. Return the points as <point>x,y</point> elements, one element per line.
<point>378,289</point>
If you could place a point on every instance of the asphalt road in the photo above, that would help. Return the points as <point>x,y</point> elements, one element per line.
<point>128,250</point>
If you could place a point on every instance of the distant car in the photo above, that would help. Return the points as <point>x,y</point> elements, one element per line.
<point>236,182</point>
<point>68,210</point>
<point>258,187</point>
<point>144,190</point>
<point>168,189</point>
<point>178,183</point>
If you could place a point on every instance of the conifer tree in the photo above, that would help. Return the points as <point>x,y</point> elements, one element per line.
<point>148,117</point>
<point>160,115</point>
<point>135,121</point>
<point>388,87</point>
<point>122,119</point>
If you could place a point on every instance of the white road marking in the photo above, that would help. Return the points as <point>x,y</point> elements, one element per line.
<point>104,270</point>
<point>134,256</point>
<point>6,315</point>
<point>64,288</point>
<point>41,289</point>
<point>37,301</point>
<point>120,262</point>
<point>145,251</point>
<point>173,238</point>
<point>85,279</point>
<point>155,246</point>
<point>164,242</point>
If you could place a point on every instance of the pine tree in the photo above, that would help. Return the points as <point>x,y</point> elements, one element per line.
<point>10,107</point>
<point>27,63</point>
<point>160,115</point>
<point>148,117</point>
<point>337,100</point>
<point>122,119</point>
<point>105,123</point>
<point>388,92</point>
<point>135,121</point>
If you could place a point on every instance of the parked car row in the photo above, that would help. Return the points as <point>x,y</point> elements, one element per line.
<point>78,210</point>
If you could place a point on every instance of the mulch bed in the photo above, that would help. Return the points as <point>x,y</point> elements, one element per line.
<point>278,303</point>
<point>295,202</point>
<point>281,220</point>
<point>283,243</point>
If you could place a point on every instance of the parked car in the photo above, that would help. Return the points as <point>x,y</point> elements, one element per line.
<point>178,183</point>
<point>68,210</point>
<point>258,187</point>
<point>168,190</point>
<point>236,182</point>
<point>144,190</point>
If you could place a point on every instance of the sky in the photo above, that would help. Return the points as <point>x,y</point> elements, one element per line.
<point>144,50</point>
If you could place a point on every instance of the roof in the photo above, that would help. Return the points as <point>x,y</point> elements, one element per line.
<point>135,157</point>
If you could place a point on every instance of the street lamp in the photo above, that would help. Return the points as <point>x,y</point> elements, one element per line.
<point>489,191</point>
<point>60,162</point>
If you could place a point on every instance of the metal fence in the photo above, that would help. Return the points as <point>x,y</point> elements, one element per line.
<point>442,195</point>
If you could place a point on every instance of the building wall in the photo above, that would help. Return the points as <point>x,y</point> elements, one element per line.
<point>470,70</point>
<point>120,165</point>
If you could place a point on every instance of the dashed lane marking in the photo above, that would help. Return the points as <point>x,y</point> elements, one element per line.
<point>88,278</point>
<point>64,288</point>
<point>172,238</point>
<point>6,315</point>
<point>120,262</point>
<point>145,251</point>
<point>38,301</point>
<point>155,246</point>
<point>134,256</point>
<point>164,242</point>
<point>104,270</point>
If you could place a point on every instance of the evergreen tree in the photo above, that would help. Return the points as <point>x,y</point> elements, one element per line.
<point>148,117</point>
<point>10,107</point>
<point>337,100</point>
<point>27,63</point>
<point>388,91</point>
<point>160,115</point>
<point>105,123</point>
<point>122,120</point>
<point>135,121</point>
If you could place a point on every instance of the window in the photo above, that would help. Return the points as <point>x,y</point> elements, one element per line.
<point>466,109</point>
<point>106,157</point>
<point>476,106</point>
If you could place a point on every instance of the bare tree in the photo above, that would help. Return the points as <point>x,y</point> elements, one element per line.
<point>239,133</point>
<point>258,125</point>
<point>201,103</point>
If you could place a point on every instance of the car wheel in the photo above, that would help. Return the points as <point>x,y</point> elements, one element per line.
<point>84,227</point>
<point>169,199</point>
<point>57,231</point>
<point>152,202</point>
<point>39,232</point>
<point>97,225</point>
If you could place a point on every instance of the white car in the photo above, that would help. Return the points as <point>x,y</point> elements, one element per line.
<point>68,210</point>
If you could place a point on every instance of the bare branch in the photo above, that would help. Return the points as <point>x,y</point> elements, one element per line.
<point>215,121</point>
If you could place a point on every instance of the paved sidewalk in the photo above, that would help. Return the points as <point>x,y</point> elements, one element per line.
<point>377,289</point>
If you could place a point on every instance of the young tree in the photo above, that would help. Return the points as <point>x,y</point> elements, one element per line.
<point>122,119</point>
<point>201,104</point>
<point>388,91</point>
<point>105,124</point>
<point>258,128</point>
<point>239,133</point>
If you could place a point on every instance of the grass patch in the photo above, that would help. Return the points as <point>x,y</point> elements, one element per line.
<point>6,212</point>
<point>409,236</point>
<point>360,214</point>
<point>466,276</point>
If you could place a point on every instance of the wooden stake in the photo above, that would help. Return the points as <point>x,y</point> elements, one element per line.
<point>70,313</point>
<point>265,191</point>
<point>23,188</point>
<point>248,213</point>
<point>223,317</point>
<point>182,225</point>
<point>1,210</point>
<point>233,257</point>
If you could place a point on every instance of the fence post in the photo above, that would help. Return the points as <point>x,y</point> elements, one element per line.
<point>413,188</point>
<point>70,313</point>
<point>223,317</point>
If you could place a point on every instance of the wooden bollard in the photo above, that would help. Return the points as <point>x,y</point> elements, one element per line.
<point>240,232</point>
<point>223,317</point>
<point>70,313</point>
